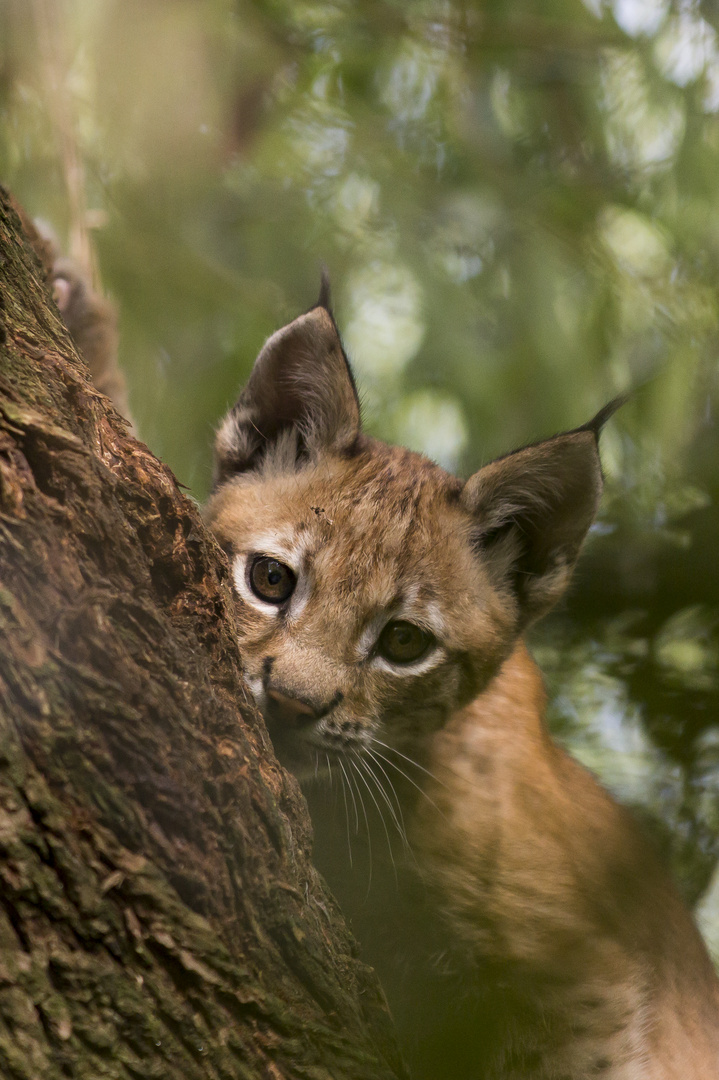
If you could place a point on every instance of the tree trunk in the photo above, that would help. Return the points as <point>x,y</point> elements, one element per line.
<point>159,914</point>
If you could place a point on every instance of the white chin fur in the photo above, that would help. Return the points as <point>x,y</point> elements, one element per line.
<point>258,691</point>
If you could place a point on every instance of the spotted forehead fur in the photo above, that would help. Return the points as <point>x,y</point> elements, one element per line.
<point>381,506</point>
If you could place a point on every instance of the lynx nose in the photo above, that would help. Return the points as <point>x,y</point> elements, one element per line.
<point>289,710</point>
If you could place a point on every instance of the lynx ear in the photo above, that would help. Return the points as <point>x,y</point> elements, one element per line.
<point>533,509</point>
<point>300,398</point>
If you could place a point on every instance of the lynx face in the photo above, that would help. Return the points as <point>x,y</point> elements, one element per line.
<point>376,593</point>
<point>363,610</point>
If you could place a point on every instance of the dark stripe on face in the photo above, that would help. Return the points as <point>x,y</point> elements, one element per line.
<point>474,674</point>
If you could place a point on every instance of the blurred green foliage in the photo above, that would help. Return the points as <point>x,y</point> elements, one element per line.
<point>519,208</point>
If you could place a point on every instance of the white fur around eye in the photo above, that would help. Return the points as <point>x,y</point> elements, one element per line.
<point>291,555</point>
<point>298,600</point>
<point>429,619</point>
<point>370,634</point>
<point>242,586</point>
<point>418,667</point>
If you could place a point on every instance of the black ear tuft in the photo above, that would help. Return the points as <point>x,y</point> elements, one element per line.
<point>597,422</point>
<point>325,298</point>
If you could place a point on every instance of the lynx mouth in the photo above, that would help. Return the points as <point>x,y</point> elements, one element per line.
<point>309,758</point>
<point>312,750</point>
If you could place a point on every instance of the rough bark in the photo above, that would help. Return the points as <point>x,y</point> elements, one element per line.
<point>159,913</point>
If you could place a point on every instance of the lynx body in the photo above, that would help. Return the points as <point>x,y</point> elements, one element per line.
<point>380,604</point>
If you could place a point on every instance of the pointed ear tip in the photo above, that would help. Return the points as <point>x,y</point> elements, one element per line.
<point>325,298</point>
<point>597,422</point>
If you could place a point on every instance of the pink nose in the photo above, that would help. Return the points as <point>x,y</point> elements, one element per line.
<point>289,710</point>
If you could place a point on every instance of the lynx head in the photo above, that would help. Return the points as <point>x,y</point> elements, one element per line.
<point>376,593</point>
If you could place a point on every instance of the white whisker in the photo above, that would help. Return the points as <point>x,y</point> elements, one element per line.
<point>369,837</point>
<point>409,779</point>
<point>397,815</point>
<point>399,753</point>
<point>352,794</point>
<point>343,777</point>
<point>359,762</point>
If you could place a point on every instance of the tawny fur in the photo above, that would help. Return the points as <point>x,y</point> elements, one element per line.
<point>541,884</point>
<point>541,880</point>
<point>539,870</point>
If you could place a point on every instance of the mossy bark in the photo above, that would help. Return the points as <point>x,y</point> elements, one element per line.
<point>159,913</point>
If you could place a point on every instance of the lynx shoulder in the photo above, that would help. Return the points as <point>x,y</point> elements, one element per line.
<point>381,604</point>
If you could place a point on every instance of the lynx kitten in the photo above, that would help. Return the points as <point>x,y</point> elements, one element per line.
<point>381,604</point>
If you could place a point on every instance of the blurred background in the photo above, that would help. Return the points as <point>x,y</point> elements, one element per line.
<point>518,205</point>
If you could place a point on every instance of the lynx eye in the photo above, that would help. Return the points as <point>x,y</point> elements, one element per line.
<point>403,642</point>
<point>271,580</point>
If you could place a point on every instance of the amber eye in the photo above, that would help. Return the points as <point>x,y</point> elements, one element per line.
<point>403,642</point>
<point>271,580</point>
